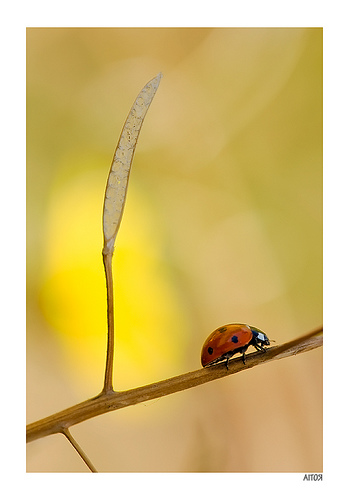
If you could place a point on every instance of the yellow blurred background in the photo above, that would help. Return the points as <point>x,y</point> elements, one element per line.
<point>223,223</point>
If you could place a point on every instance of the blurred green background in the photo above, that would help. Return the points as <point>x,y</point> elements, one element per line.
<point>223,223</point>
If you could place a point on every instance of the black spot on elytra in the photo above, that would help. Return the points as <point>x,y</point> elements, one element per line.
<point>210,350</point>
<point>235,339</point>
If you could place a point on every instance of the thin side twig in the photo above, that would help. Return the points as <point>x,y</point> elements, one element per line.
<point>79,450</point>
<point>106,402</point>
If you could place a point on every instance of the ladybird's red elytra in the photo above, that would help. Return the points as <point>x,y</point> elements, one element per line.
<point>231,339</point>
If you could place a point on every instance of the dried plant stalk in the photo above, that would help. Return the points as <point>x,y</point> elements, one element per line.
<point>114,203</point>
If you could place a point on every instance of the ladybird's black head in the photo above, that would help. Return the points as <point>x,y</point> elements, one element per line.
<point>260,337</point>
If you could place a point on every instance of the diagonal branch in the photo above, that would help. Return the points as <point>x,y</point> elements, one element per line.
<point>79,450</point>
<point>106,402</point>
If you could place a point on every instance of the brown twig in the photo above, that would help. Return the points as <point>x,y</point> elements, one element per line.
<point>108,377</point>
<point>79,450</point>
<point>104,403</point>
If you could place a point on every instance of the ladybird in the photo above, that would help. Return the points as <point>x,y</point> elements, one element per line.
<point>228,340</point>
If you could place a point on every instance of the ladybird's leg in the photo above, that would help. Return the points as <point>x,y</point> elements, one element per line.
<point>258,347</point>
<point>226,363</point>
<point>243,350</point>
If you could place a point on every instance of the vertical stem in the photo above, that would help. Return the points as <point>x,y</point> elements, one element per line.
<point>108,378</point>
<point>114,203</point>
